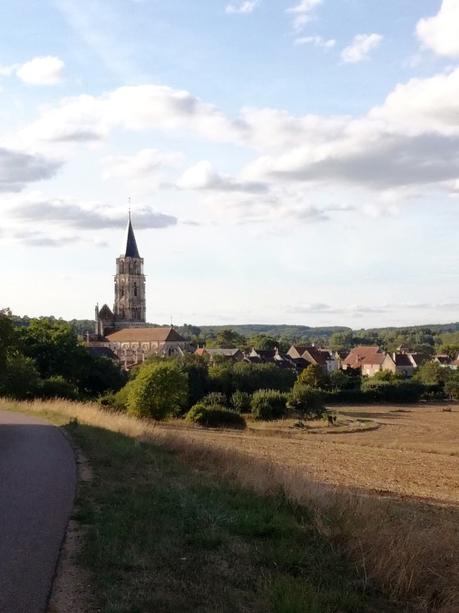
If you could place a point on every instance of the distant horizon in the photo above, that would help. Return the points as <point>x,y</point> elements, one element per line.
<point>256,324</point>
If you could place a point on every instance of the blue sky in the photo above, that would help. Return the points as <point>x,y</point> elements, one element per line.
<point>288,162</point>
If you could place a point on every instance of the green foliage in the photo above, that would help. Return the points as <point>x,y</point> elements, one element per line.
<point>215,416</point>
<point>394,390</point>
<point>21,379</point>
<point>268,404</point>
<point>158,391</point>
<point>452,386</point>
<point>198,377</point>
<point>263,341</point>
<point>56,351</point>
<point>228,339</point>
<point>313,376</point>
<point>215,399</point>
<point>58,387</point>
<point>241,402</point>
<point>349,379</point>
<point>431,373</point>
<point>306,402</point>
<point>117,402</point>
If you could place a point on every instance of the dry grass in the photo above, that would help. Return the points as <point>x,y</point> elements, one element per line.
<point>409,549</point>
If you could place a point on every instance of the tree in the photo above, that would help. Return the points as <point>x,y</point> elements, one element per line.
<point>229,339</point>
<point>262,342</point>
<point>432,373</point>
<point>8,341</point>
<point>197,371</point>
<point>452,386</point>
<point>268,405</point>
<point>306,402</point>
<point>22,379</point>
<point>313,376</point>
<point>158,391</point>
<point>349,379</point>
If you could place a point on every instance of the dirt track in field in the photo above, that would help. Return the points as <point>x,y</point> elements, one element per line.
<point>414,452</point>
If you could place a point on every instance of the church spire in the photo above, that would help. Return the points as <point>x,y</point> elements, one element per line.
<point>132,250</point>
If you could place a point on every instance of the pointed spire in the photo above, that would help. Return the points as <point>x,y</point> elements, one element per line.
<point>131,244</point>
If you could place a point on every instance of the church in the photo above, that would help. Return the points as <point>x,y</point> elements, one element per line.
<point>124,330</point>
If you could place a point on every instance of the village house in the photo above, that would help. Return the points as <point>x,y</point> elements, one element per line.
<point>232,355</point>
<point>399,364</point>
<point>324,358</point>
<point>267,356</point>
<point>368,359</point>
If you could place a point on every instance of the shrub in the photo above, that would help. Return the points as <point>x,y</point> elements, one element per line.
<point>268,405</point>
<point>215,416</point>
<point>215,399</point>
<point>241,402</point>
<point>58,387</point>
<point>198,377</point>
<point>21,379</point>
<point>159,390</point>
<point>117,402</point>
<point>306,402</point>
<point>313,376</point>
<point>394,391</point>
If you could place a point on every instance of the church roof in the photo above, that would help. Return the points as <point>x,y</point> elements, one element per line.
<point>132,250</point>
<point>146,335</point>
<point>106,313</point>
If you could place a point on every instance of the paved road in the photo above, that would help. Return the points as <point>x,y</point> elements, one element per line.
<point>37,486</point>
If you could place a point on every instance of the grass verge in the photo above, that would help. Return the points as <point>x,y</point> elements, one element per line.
<point>171,531</point>
<point>164,536</point>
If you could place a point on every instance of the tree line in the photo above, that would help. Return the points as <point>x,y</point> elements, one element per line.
<point>46,359</point>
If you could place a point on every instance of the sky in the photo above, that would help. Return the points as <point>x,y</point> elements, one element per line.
<point>287,161</point>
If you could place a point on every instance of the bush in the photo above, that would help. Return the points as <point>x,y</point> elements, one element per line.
<point>159,390</point>
<point>21,379</point>
<point>313,376</point>
<point>241,402</point>
<point>394,391</point>
<point>306,402</point>
<point>198,377</point>
<point>215,399</point>
<point>268,405</point>
<point>117,402</point>
<point>58,387</point>
<point>215,417</point>
<point>228,378</point>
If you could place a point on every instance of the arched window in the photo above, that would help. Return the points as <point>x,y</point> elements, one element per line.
<point>135,289</point>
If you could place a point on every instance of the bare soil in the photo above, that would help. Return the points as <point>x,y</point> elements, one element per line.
<point>410,450</point>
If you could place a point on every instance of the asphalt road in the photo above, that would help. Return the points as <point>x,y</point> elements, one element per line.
<point>37,487</point>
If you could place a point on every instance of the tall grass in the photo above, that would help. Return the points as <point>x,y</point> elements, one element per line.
<point>408,550</point>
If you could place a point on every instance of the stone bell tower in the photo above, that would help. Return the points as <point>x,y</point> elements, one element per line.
<point>130,309</point>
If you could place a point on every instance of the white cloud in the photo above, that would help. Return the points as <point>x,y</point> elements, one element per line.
<point>144,107</point>
<point>245,7</point>
<point>360,47</point>
<point>441,32</point>
<point>411,140</point>
<point>316,41</point>
<point>203,176</point>
<point>45,70</point>
<point>18,169</point>
<point>89,216</point>
<point>146,165</point>
<point>302,12</point>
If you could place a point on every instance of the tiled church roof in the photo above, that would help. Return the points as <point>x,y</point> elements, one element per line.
<point>146,335</point>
